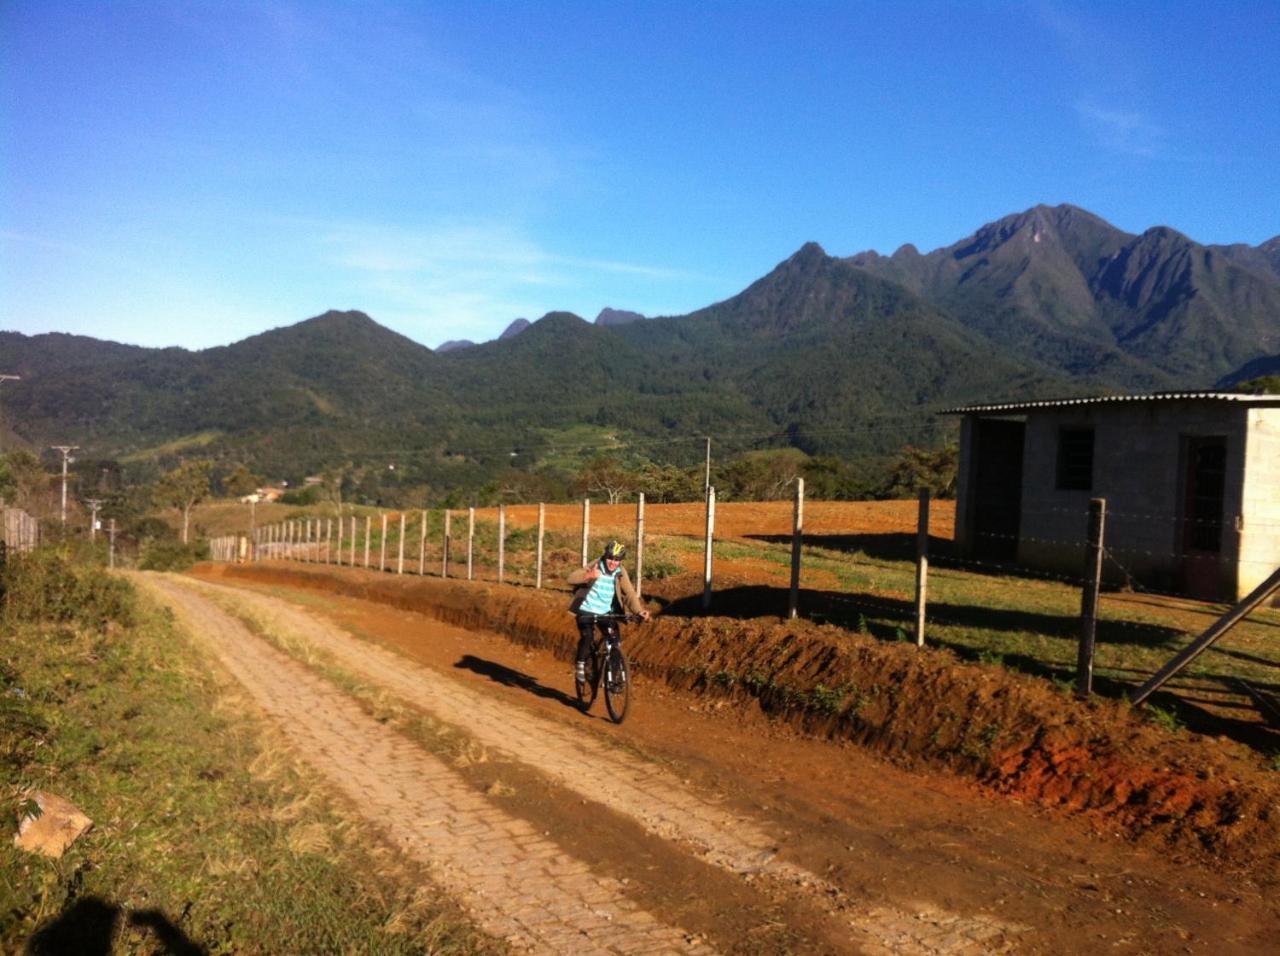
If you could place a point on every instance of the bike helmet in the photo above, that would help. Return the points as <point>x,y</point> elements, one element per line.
<point>615,551</point>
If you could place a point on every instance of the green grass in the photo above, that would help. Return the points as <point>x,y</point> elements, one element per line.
<point>186,443</point>
<point>203,826</point>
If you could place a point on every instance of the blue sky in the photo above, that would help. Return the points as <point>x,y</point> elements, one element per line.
<point>194,173</point>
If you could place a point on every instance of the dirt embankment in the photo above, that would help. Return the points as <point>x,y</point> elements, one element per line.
<point>1197,796</point>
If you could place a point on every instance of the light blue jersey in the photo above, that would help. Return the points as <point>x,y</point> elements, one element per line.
<point>599,599</point>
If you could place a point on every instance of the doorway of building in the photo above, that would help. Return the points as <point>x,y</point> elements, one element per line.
<point>1204,571</point>
<point>998,486</point>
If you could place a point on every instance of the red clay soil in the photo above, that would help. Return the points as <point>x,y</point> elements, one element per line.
<point>1196,798</point>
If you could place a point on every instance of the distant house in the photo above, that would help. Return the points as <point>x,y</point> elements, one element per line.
<point>1191,481</point>
<point>261,495</point>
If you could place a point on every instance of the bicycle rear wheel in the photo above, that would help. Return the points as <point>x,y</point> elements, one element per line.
<point>587,689</point>
<point>617,686</point>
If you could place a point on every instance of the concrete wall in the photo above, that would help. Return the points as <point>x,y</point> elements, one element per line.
<point>1138,465</point>
<point>1260,524</point>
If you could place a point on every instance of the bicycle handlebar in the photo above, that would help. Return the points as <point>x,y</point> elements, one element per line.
<point>627,618</point>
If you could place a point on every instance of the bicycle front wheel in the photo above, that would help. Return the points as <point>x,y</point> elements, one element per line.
<point>617,686</point>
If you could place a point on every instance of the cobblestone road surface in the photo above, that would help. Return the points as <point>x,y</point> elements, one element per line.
<point>518,883</point>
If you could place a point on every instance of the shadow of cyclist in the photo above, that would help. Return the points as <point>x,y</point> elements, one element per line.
<point>501,674</point>
<point>88,928</point>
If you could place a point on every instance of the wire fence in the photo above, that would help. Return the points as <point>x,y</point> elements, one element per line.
<point>854,564</point>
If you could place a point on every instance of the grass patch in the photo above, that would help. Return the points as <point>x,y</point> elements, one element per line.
<point>205,832</point>
<point>187,443</point>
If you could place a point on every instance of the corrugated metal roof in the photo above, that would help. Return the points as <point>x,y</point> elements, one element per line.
<point>1017,407</point>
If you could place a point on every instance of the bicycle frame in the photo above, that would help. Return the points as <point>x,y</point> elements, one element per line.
<point>607,665</point>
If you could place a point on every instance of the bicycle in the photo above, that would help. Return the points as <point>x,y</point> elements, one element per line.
<point>606,665</point>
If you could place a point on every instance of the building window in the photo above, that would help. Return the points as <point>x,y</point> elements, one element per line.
<point>1075,459</point>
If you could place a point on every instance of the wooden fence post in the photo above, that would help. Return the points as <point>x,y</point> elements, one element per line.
<point>352,556</point>
<point>1089,596</point>
<point>639,544</point>
<point>502,541</point>
<point>382,545</point>
<point>471,542</point>
<point>444,557</point>
<point>711,530</point>
<point>400,552</point>
<point>586,528</point>
<point>797,536</point>
<point>338,560</point>
<point>368,537</point>
<point>422,546</point>
<point>542,527</point>
<point>328,541</point>
<point>922,564</point>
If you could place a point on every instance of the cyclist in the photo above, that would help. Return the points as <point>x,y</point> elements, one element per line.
<point>602,587</point>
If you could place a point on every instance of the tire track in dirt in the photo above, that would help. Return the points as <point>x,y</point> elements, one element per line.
<point>657,799</point>
<point>518,885</point>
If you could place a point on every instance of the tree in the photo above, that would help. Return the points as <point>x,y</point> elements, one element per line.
<point>917,468</point>
<point>762,475</point>
<point>607,476</point>
<point>23,481</point>
<point>663,483</point>
<point>240,481</point>
<point>183,488</point>
<point>332,482</point>
<point>1265,385</point>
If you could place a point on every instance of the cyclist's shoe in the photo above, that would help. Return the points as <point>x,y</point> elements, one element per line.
<point>580,672</point>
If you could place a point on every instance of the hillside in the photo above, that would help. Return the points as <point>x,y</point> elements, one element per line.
<point>846,356</point>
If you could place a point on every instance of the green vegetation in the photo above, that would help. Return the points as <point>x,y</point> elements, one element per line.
<point>1265,385</point>
<point>205,834</point>
<point>183,488</point>
<point>165,555</point>
<point>183,445</point>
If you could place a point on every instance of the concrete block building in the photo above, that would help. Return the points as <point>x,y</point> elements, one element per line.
<point>1191,481</point>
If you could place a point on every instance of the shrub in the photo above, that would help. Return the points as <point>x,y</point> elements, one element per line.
<point>50,586</point>
<point>171,555</point>
<point>309,495</point>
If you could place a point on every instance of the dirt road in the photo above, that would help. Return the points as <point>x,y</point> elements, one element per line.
<point>681,831</point>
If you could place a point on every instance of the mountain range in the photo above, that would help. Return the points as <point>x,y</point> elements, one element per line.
<point>846,356</point>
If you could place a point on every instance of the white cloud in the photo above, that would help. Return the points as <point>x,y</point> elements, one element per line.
<point>466,280</point>
<point>1125,131</point>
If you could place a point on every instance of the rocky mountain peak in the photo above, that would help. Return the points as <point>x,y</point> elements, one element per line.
<point>515,328</point>
<point>610,316</point>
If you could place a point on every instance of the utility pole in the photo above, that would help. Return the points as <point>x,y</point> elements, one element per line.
<point>94,504</point>
<point>66,460</point>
